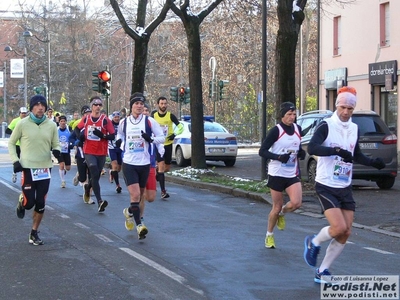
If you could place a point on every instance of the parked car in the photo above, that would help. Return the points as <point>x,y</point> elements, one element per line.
<point>220,145</point>
<point>375,140</point>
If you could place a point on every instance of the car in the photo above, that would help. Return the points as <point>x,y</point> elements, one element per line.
<point>220,145</point>
<point>376,140</point>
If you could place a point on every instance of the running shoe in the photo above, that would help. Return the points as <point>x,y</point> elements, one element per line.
<point>63,184</point>
<point>75,180</point>
<point>318,276</point>
<point>103,172</point>
<point>86,193</point>
<point>141,231</point>
<point>310,251</point>
<point>281,223</point>
<point>164,194</point>
<point>102,205</point>
<point>20,207</point>
<point>91,201</point>
<point>118,189</point>
<point>35,239</point>
<point>129,223</point>
<point>14,177</point>
<point>270,241</point>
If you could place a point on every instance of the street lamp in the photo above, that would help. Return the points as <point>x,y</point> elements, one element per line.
<point>26,34</point>
<point>8,49</point>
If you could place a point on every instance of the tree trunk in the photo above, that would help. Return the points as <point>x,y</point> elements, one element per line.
<point>196,92</point>
<point>286,41</point>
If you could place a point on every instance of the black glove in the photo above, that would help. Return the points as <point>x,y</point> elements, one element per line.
<point>56,153</point>
<point>284,158</point>
<point>98,133</point>
<point>171,137</point>
<point>301,154</point>
<point>146,137</point>
<point>378,163</point>
<point>17,167</point>
<point>346,155</point>
<point>118,143</point>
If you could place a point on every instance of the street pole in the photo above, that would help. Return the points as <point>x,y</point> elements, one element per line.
<point>25,77</point>
<point>213,66</point>
<point>48,68</point>
<point>264,85</point>
<point>5,91</point>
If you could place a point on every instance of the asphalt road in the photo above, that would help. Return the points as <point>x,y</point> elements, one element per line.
<point>202,244</point>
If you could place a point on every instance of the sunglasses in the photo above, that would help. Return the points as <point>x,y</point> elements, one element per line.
<point>97,104</point>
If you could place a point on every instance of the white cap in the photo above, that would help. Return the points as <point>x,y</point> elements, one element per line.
<point>23,109</point>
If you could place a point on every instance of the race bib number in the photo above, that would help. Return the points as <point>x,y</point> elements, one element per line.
<point>40,174</point>
<point>135,141</point>
<point>291,162</point>
<point>165,130</point>
<point>64,147</point>
<point>342,171</point>
<point>90,135</point>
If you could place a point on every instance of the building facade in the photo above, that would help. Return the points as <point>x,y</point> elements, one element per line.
<point>360,47</point>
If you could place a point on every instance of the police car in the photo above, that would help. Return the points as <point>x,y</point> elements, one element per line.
<point>220,145</point>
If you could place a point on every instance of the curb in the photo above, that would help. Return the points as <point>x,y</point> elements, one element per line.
<point>264,198</point>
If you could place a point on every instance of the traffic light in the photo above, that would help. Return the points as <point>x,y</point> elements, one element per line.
<point>105,83</point>
<point>187,95</point>
<point>222,91</point>
<point>96,81</point>
<point>181,94</point>
<point>173,93</point>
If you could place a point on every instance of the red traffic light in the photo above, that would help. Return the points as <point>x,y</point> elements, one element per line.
<point>181,91</point>
<point>104,76</point>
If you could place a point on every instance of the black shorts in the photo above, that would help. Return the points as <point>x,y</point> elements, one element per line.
<point>278,183</point>
<point>135,174</point>
<point>167,158</point>
<point>335,197</point>
<point>65,158</point>
<point>115,154</point>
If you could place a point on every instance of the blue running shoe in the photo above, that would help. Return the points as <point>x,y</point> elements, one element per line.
<point>318,276</point>
<point>310,251</point>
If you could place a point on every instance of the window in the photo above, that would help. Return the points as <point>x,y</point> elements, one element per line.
<point>384,24</point>
<point>337,36</point>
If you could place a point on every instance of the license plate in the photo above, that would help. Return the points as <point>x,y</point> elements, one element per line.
<point>368,145</point>
<point>216,150</point>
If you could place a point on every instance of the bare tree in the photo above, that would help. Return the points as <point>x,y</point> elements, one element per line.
<point>141,34</point>
<point>290,17</point>
<point>191,23</point>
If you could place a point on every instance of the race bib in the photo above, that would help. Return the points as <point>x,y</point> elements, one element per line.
<point>90,135</point>
<point>342,171</point>
<point>135,141</point>
<point>40,174</point>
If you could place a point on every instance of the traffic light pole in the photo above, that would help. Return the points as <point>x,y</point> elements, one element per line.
<point>213,66</point>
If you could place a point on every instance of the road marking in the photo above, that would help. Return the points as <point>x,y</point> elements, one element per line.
<point>160,268</point>
<point>11,187</point>
<point>104,238</point>
<point>378,250</point>
<point>63,216</point>
<point>80,225</point>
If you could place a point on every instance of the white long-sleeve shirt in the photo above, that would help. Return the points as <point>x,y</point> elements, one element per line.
<point>136,148</point>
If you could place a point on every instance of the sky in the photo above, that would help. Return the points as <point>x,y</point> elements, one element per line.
<point>13,5</point>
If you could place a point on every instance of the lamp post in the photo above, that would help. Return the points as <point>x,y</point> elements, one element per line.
<point>27,33</point>
<point>8,49</point>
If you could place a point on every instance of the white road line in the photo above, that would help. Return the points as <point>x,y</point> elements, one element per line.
<point>10,186</point>
<point>104,238</point>
<point>378,250</point>
<point>80,225</point>
<point>63,216</point>
<point>160,268</point>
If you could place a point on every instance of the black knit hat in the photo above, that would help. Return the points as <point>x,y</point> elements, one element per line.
<point>35,100</point>
<point>285,107</point>
<point>136,97</point>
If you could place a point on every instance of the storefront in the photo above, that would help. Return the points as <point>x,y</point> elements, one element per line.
<point>333,81</point>
<point>384,99</point>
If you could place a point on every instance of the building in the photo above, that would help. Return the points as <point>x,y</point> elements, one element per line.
<point>360,47</point>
